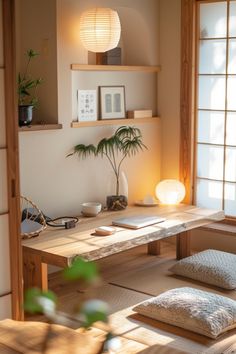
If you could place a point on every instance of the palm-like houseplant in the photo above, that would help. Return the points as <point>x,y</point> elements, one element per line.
<point>125,142</point>
<point>27,91</point>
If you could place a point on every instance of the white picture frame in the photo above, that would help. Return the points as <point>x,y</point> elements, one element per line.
<point>87,105</point>
<point>112,102</point>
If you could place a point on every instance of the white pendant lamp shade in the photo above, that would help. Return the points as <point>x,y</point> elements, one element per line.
<point>170,191</point>
<point>100,29</point>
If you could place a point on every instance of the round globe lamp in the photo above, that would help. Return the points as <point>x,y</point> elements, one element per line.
<point>100,29</point>
<point>170,191</point>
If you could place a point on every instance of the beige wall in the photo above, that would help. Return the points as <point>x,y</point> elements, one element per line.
<point>59,185</point>
<point>36,29</point>
<point>169,86</point>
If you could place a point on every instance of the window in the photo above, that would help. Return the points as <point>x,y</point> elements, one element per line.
<point>215,148</point>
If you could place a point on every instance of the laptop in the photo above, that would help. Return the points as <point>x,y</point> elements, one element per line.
<point>138,221</point>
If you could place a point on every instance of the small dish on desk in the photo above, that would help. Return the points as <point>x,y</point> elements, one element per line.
<point>142,203</point>
<point>147,201</point>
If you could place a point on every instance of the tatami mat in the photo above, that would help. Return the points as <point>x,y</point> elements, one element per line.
<point>156,279</point>
<point>119,298</point>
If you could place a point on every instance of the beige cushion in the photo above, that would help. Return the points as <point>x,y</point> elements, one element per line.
<point>196,310</point>
<point>211,267</point>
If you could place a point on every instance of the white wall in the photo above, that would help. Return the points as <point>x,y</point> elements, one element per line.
<point>59,185</point>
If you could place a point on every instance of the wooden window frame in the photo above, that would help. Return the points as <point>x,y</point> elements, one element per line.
<point>188,100</point>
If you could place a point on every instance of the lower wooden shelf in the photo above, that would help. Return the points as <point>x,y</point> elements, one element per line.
<point>36,127</point>
<point>125,121</point>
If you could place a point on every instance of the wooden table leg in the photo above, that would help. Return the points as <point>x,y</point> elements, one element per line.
<point>154,248</point>
<point>183,245</point>
<point>35,272</point>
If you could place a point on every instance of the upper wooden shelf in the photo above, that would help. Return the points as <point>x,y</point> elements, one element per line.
<point>36,127</point>
<point>85,67</point>
<point>123,121</point>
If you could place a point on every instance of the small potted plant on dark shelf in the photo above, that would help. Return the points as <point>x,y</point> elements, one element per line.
<point>126,142</point>
<point>27,91</point>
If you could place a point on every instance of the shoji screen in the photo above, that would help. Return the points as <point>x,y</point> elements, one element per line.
<point>5,284</point>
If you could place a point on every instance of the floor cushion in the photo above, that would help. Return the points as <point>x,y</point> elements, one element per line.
<point>210,266</point>
<point>195,310</point>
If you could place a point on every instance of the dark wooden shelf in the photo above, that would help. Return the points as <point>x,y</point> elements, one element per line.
<point>37,127</point>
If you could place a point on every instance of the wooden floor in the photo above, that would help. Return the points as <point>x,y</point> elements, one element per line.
<point>129,278</point>
<point>132,260</point>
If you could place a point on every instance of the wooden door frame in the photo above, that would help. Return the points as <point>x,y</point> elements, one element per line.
<point>187,95</point>
<point>12,158</point>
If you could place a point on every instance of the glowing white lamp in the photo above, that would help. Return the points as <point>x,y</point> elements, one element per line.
<point>170,191</point>
<point>100,29</point>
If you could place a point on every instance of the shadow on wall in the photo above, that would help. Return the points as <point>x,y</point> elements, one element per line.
<point>135,38</point>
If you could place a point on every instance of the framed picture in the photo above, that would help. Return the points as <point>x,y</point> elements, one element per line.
<point>112,102</point>
<point>87,105</point>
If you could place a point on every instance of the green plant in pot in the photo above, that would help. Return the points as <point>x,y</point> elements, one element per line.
<point>125,142</point>
<point>27,92</point>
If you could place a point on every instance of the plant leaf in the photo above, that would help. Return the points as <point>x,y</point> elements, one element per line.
<point>32,296</point>
<point>31,53</point>
<point>94,311</point>
<point>81,269</point>
<point>83,151</point>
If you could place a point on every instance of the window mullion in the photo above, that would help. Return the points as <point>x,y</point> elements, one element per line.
<point>226,102</point>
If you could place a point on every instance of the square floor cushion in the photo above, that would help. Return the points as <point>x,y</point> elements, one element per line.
<point>210,267</point>
<point>195,310</point>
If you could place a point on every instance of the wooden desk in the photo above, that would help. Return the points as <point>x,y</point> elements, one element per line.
<point>59,246</point>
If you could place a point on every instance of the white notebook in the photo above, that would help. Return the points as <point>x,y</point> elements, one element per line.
<point>138,221</point>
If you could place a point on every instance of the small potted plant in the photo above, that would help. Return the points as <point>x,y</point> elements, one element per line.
<point>27,90</point>
<point>126,142</point>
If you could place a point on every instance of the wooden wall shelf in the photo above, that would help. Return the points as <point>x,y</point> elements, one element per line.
<point>85,67</point>
<point>37,127</point>
<point>125,121</point>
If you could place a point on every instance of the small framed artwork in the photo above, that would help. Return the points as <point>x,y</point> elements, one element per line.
<point>112,102</point>
<point>87,105</point>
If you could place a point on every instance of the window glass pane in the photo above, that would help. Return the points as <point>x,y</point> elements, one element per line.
<point>209,194</point>
<point>210,161</point>
<point>213,20</point>
<point>231,94</point>
<point>232,19</point>
<point>230,164</point>
<point>211,92</point>
<point>231,129</point>
<point>211,127</point>
<point>230,199</point>
<point>232,57</point>
<point>212,57</point>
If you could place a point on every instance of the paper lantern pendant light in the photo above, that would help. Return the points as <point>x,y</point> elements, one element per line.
<point>100,29</point>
